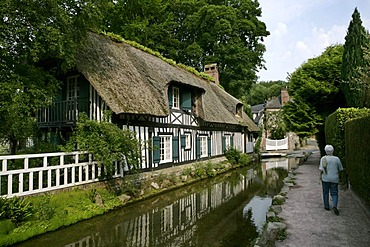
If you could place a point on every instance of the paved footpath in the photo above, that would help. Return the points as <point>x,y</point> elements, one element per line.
<point>309,224</point>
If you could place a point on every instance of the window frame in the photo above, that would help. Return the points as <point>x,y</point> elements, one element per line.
<point>227,141</point>
<point>203,140</point>
<point>73,88</point>
<point>187,140</point>
<point>176,98</point>
<point>163,155</point>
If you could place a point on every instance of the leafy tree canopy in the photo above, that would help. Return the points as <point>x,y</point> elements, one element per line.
<point>316,93</point>
<point>260,92</point>
<point>37,39</point>
<point>196,33</point>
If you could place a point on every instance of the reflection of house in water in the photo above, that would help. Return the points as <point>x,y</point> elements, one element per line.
<point>174,224</point>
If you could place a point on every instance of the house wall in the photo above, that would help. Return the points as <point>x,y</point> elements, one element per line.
<point>145,135</point>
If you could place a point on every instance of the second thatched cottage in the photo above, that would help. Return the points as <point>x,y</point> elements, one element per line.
<point>185,116</point>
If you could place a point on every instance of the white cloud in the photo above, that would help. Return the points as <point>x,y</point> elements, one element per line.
<point>300,30</point>
<point>280,30</point>
<point>301,45</point>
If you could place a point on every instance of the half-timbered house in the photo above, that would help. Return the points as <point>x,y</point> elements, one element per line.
<point>178,116</point>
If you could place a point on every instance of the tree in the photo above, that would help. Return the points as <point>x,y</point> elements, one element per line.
<point>315,89</point>
<point>38,40</point>
<point>260,92</point>
<point>357,41</point>
<point>196,33</point>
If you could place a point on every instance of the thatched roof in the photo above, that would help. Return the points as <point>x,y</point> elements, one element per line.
<point>133,81</point>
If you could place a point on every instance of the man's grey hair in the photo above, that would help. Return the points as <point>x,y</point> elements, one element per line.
<point>329,149</point>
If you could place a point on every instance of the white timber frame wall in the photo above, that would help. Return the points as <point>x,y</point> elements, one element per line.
<point>97,105</point>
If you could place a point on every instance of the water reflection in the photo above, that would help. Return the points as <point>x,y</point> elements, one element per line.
<point>225,211</point>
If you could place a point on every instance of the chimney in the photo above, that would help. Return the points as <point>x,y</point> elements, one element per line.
<point>212,71</point>
<point>284,96</point>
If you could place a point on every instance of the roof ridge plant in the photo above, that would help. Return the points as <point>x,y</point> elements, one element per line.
<point>118,38</point>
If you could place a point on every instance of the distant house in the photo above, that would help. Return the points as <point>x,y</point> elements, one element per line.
<point>277,103</point>
<point>257,112</point>
<point>182,116</point>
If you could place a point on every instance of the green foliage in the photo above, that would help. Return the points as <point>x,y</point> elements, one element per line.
<point>300,118</point>
<point>237,158</point>
<point>92,193</point>
<point>316,93</point>
<point>257,146</point>
<point>199,170</point>
<point>233,155</point>
<point>106,142</point>
<point>15,209</point>
<point>278,200</point>
<point>335,129</point>
<point>38,40</point>
<point>6,226</point>
<point>45,210</point>
<point>357,136</point>
<point>210,170</point>
<point>262,91</point>
<point>275,125</point>
<point>195,33</point>
<point>357,41</point>
<point>133,186</point>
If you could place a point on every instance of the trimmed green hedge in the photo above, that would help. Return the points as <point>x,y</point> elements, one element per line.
<point>335,126</point>
<point>357,136</point>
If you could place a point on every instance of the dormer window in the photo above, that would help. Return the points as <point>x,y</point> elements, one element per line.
<point>175,98</point>
<point>239,110</point>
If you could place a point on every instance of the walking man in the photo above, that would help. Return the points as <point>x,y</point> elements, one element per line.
<point>330,166</point>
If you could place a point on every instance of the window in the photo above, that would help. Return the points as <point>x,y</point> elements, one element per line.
<point>187,141</point>
<point>176,98</point>
<point>73,88</point>
<point>227,141</point>
<point>165,148</point>
<point>203,146</point>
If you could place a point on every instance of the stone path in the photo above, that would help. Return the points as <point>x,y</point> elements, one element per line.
<point>308,224</point>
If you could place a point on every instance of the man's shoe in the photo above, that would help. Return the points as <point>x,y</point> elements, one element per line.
<point>336,211</point>
<point>327,209</point>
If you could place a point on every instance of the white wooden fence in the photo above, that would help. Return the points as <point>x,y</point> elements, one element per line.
<point>34,173</point>
<point>277,144</point>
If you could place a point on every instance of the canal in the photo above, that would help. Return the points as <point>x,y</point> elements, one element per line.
<point>228,210</point>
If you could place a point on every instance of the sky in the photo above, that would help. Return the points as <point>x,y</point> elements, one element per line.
<point>302,29</point>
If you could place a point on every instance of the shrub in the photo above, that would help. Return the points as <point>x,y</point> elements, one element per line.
<point>16,209</point>
<point>45,211</point>
<point>233,155</point>
<point>107,142</point>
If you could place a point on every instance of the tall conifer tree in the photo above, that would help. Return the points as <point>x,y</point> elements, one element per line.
<point>353,60</point>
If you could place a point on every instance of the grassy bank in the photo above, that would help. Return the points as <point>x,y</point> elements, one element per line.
<point>23,218</point>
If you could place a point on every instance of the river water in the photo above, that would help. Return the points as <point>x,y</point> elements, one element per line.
<point>228,210</point>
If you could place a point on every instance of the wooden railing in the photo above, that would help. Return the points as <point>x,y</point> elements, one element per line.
<point>34,173</point>
<point>62,113</point>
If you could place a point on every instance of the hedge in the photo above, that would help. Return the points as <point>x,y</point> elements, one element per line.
<point>335,126</point>
<point>357,136</point>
